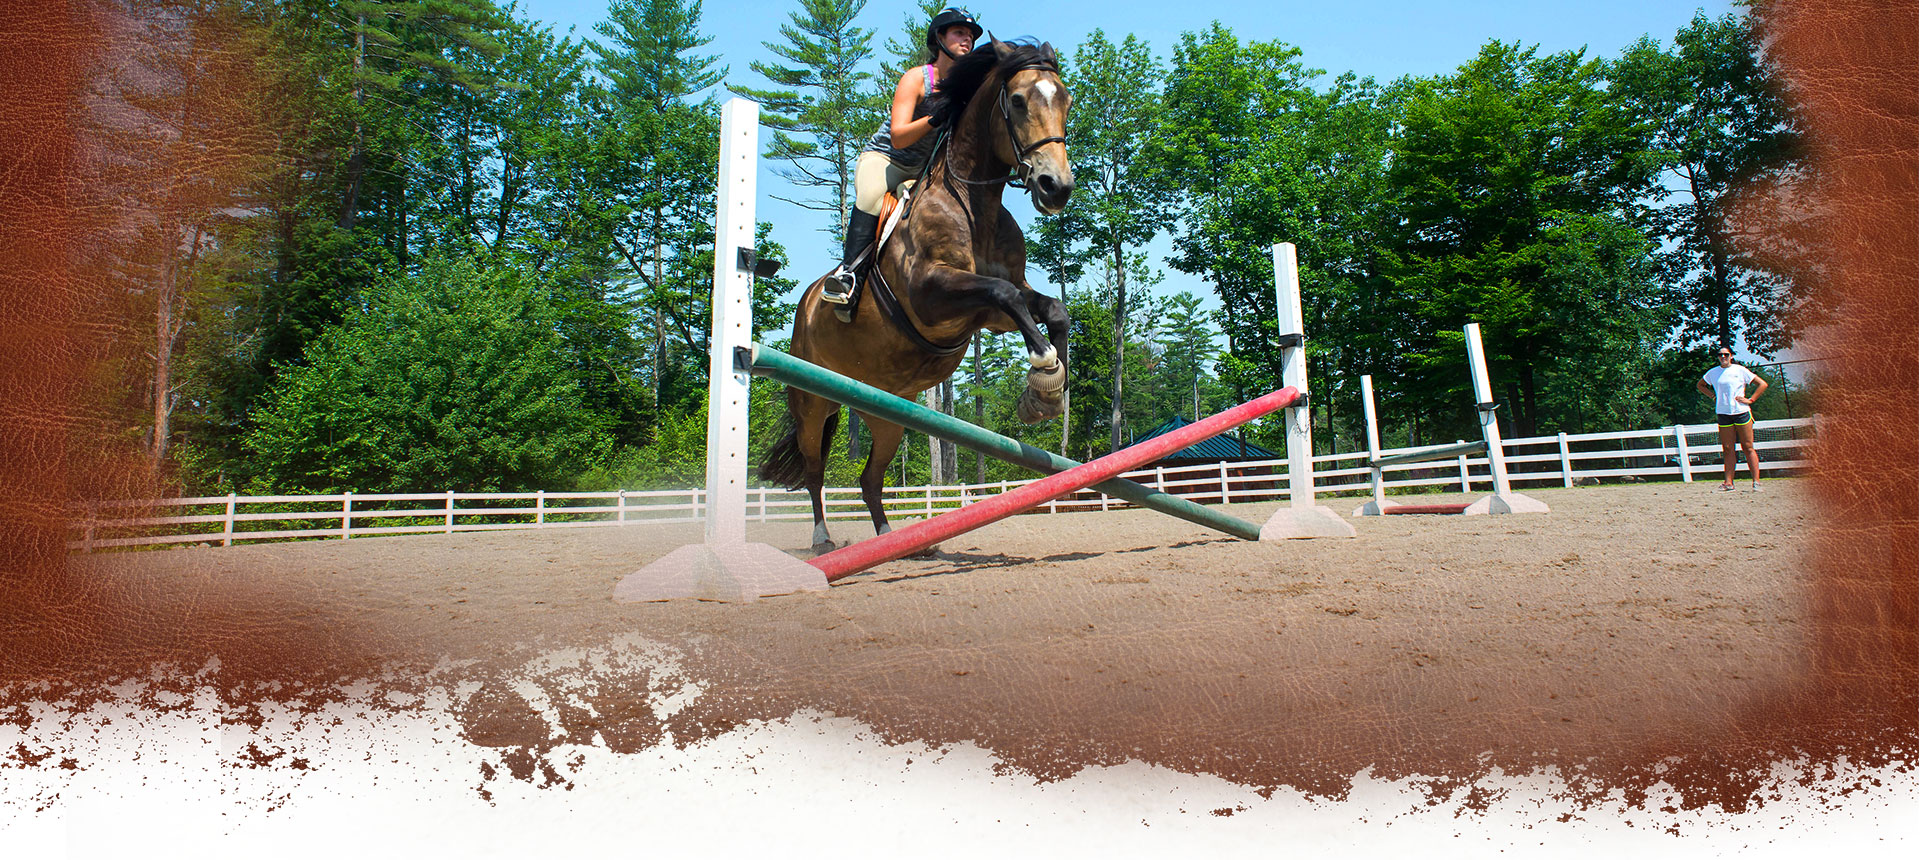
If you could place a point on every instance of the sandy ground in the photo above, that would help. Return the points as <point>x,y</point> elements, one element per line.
<point>1633,623</point>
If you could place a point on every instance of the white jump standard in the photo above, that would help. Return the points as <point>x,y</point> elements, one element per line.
<point>1300,517</point>
<point>1503,500</point>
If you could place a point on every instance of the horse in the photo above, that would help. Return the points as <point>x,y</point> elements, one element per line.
<point>954,266</point>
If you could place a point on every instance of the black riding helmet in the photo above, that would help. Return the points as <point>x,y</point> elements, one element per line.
<point>948,18</point>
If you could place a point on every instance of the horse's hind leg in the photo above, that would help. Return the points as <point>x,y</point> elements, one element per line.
<point>814,418</point>
<point>873,477</point>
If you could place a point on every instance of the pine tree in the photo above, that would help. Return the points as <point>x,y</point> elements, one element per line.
<point>820,108</point>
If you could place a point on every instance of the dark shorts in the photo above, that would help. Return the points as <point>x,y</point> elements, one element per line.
<point>1739,419</point>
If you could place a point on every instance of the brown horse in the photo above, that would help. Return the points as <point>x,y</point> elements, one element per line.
<point>956,264</point>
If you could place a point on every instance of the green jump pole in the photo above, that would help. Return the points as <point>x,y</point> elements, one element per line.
<point>813,379</point>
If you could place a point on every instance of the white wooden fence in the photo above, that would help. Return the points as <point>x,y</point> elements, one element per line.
<point>1680,452</point>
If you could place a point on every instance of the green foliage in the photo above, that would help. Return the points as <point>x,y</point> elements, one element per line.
<point>648,60</point>
<point>1518,178</point>
<point>1721,127</point>
<point>454,378</point>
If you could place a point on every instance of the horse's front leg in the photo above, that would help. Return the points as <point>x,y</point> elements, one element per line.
<point>1047,378</point>
<point>1045,396</point>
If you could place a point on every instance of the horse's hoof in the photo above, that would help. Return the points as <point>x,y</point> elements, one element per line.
<point>1034,407</point>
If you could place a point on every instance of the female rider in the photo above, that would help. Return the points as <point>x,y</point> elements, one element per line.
<point>901,147</point>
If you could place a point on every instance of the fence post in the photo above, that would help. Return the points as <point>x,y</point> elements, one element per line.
<point>1566,462</point>
<point>1466,483</point>
<point>1680,444</point>
<point>346,515</point>
<point>1160,478</point>
<point>449,528</point>
<point>539,508</point>
<point>929,498</point>
<point>1224,498</point>
<point>226,533</point>
<point>763,504</point>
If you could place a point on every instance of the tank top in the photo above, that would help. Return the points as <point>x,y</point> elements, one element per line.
<point>915,155</point>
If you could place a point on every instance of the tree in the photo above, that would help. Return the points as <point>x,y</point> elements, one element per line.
<point>647,57</point>
<point>820,108</point>
<point>908,47</point>
<point>1519,178</point>
<point>1255,155</point>
<point>1115,100</point>
<point>1721,125</point>
<point>454,378</point>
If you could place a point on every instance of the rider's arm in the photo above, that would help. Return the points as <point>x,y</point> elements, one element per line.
<point>906,130</point>
<point>1757,392</point>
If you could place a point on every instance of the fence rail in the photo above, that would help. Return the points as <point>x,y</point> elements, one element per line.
<point>1678,452</point>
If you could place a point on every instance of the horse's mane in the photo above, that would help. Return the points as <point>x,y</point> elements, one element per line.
<point>957,88</point>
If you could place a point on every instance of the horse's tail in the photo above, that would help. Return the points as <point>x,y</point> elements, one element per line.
<point>784,465</point>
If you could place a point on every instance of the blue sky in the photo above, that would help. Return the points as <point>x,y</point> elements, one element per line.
<point>1384,39</point>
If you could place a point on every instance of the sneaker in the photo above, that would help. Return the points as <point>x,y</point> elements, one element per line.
<point>1755,488</point>
<point>1724,488</point>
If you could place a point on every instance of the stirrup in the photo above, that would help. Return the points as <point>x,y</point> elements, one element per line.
<point>842,277</point>
<point>842,302</point>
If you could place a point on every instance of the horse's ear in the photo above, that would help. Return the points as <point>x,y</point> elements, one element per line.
<point>999,49</point>
<point>1046,50</point>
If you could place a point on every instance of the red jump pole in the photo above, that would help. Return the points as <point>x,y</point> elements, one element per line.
<point>1427,509</point>
<point>880,549</point>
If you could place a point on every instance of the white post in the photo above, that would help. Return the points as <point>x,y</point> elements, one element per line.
<point>449,528</point>
<point>620,504</point>
<point>346,515</point>
<point>1680,444</point>
<point>1293,373</point>
<point>1504,500</point>
<point>726,567</point>
<point>1566,461</point>
<point>540,508</point>
<point>226,532</point>
<point>1379,504</point>
<point>1224,497</point>
<point>1466,475</point>
<point>1301,518</point>
<point>732,323</point>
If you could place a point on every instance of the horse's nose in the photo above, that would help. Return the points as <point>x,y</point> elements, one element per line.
<point>1054,187</point>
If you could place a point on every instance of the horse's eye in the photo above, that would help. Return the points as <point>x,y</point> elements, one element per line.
<point>1019,102</point>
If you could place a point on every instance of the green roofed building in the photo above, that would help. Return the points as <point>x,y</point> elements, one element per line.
<point>1224,448</point>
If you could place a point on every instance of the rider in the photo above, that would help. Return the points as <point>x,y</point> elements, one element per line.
<point>903,144</point>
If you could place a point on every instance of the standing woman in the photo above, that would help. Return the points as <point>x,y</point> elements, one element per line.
<point>901,146</point>
<point>1727,385</point>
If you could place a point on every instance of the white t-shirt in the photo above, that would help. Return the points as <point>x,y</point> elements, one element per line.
<point>1729,382</point>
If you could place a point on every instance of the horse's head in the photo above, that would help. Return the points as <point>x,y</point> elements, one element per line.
<point>1034,103</point>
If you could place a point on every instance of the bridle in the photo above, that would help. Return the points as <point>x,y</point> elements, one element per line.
<point>1021,167</point>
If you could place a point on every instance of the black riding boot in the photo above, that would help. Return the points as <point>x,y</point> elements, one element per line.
<point>839,290</point>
